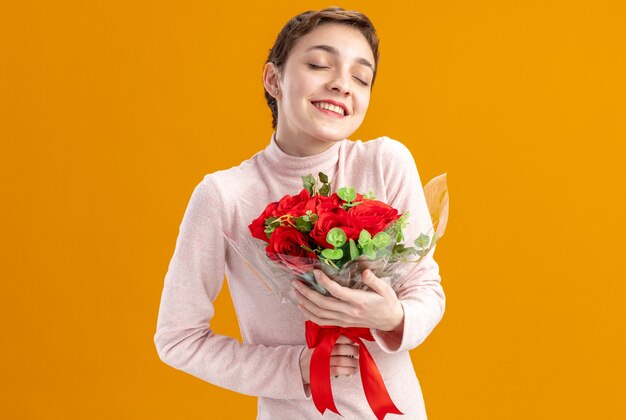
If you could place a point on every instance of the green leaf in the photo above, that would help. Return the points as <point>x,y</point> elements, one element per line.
<point>381,240</point>
<point>347,194</point>
<point>422,241</point>
<point>323,178</point>
<point>369,252</point>
<point>276,221</point>
<point>354,250</point>
<point>399,250</point>
<point>325,190</point>
<point>309,216</point>
<point>332,254</point>
<point>336,237</point>
<point>364,238</point>
<point>396,229</point>
<point>347,206</point>
<point>370,195</point>
<point>303,225</point>
<point>309,182</point>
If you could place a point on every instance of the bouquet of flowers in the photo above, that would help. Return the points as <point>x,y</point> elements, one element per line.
<point>341,233</point>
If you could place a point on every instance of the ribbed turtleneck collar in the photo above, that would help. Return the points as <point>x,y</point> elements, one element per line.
<point>283,163</point>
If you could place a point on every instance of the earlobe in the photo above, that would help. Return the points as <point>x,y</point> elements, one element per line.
<point>270,79</point>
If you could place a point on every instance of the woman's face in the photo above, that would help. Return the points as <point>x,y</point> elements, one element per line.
<point>331,63</point>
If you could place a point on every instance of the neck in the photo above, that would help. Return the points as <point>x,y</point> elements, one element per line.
<point>302,147</point>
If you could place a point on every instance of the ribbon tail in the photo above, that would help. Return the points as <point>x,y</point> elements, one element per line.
<point>321,390</point>
<point>374,387</point>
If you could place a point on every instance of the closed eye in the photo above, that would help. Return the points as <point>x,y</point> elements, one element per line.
<point>361,81</point>
<point>315,66</point>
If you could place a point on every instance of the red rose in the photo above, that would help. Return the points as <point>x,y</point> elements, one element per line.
<point>294,205</point>
<point>257,227</point>
<point>321,203</point>
<point>287,241</point>
<point>375,216</point>
<point>335,218</point>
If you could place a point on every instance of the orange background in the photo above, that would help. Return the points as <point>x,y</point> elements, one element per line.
<point>112,112</point>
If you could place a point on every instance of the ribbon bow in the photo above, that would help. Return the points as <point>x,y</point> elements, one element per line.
<point>323,338</point>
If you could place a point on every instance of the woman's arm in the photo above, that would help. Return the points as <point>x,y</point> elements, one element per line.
<point>183,336</point>
<point>420,293</point>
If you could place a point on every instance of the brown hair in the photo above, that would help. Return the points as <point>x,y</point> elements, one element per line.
<point>304,23</point>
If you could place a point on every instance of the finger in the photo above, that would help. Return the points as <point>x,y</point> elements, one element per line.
<point>319,312</point>
<point>343,361</point>
<point>343,371</point>
<point>345,350</point>
<point>321,321</point>
<point>321,301</point>
<point>335,320</point>
<point>338,291</point>
<point>374,283</point>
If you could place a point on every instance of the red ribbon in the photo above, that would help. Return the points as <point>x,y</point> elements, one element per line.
<point>323,338</point>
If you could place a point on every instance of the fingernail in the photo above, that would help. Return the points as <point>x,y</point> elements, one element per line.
<point>316,273</point>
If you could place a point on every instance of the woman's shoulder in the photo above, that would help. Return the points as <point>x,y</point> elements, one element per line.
<point>384,148</point>
<point>232,177</point>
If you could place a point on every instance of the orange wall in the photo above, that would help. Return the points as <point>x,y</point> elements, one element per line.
<point>111,112</point>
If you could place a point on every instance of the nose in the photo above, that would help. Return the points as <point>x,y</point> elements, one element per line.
<point>340,83</point>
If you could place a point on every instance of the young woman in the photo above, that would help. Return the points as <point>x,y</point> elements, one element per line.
<point>318,80</point>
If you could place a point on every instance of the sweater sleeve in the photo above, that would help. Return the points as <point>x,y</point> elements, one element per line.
<point>183,336</point>
<point>420,292</point>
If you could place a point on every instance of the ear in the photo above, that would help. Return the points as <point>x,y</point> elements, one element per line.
<point>271,78</point>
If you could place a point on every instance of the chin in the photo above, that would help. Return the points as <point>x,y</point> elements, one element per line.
<point>333,135</point>
<point>334,138</point>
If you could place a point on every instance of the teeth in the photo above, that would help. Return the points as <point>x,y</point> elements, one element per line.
<point>330,107</point>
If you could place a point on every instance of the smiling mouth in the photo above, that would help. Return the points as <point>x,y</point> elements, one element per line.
<point>330,109</point>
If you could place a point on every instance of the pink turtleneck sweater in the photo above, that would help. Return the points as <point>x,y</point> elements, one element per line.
<point>267,364</point>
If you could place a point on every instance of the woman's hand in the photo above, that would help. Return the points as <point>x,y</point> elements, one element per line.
<point>379,308</point>
<point>344,359</point>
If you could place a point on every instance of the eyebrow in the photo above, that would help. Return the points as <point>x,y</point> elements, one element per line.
<point>335,51</point>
